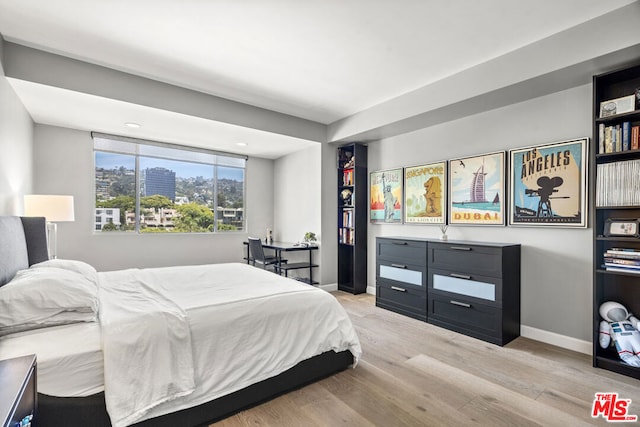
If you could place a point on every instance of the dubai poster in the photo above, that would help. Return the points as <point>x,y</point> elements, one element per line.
<point>425,194</point>
<point>548,184</point>
<point>476,190</point>
<point>385,191</point>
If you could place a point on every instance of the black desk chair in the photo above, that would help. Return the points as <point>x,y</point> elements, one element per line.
<point>256,254</point>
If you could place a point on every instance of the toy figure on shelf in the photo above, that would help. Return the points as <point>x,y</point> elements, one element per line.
<point>346,196</point>
<point>351,163</point>
<point>622,327</point>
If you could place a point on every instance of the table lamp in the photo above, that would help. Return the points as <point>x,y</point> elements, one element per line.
<point>54,209</point>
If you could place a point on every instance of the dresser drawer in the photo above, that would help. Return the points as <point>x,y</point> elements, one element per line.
<point>403,300</point>
<point>485,288</point>
<point>465,316</point>
<point>402,251</point>
<point>402,274</point>
<point>463,258</point>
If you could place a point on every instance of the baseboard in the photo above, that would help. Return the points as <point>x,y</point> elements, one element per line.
<point>331,287</point>
<point>558,340</point>
<point>334,287</point>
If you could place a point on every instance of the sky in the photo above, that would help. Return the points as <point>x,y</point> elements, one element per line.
<point>182,169</point>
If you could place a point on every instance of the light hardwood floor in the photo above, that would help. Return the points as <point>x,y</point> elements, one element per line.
<point>415,374</point>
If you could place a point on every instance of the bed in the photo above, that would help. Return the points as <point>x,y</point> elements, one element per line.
<point>184,345</point>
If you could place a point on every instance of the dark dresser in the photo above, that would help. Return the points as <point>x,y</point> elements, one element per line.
<point>468,287</point>
<point>401,276</point>
<point>18,395</point>
<point>474,289</point>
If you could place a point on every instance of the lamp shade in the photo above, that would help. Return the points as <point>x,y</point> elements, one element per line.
<point>53,208</point>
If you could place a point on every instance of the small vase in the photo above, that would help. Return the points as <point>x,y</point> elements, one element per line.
<point>444,237</point>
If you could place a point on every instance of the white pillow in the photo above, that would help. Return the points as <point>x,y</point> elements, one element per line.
<point>46,296</point>
<point>81,267</point>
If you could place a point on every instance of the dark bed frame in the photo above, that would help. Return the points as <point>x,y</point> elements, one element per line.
<point>23,242</point>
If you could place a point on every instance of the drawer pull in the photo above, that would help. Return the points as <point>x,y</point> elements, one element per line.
<point>460,248</point>
<point>460,276</point>
<point>395,288</point>
<point>398,266</point>
<point>461,304</point>
<point>400,243</point>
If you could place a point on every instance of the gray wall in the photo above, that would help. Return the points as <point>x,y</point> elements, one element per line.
<point>556,262</point>
<point>329,220</point>
<point>297,195</point>
<point>63,163</point>
<point>16,147</point>
<point>297,201</point>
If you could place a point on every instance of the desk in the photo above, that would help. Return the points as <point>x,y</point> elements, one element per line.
<point>279,248</point>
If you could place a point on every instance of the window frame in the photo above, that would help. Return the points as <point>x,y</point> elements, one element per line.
<point>221,159</point>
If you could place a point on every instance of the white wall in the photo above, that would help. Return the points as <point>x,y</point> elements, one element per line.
<point>297,195</point>
<point>297,201</point>
<point>329,220</point>
<point>16,147</point>
<point>63,164</point>
<point>556,263</point>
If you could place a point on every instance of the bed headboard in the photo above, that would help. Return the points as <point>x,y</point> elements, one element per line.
<point>23,242</point>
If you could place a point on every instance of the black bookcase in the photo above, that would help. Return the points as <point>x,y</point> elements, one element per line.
<point>612,200</point>
<point>352,218</point>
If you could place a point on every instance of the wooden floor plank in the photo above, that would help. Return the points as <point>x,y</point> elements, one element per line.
<point>396,403</point>
<point>499,403</point>
<point>416,374</point>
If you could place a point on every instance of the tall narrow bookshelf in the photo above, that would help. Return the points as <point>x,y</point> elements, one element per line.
<point>352,218</point>
<point>616,163</point>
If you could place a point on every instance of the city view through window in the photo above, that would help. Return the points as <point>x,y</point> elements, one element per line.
<point>168,195</point>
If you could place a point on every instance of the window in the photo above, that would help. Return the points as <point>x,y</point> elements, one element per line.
<point>144,186</point>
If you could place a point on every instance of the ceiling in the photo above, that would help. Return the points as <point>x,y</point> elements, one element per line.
<point>320,60</point>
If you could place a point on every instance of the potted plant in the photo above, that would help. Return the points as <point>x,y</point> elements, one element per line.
<point>310,238</point>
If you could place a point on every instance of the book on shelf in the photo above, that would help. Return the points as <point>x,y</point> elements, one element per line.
<point>617,138</point>
<point>631,257</point>
<point>347,177</point>
<point>347,217</point>
<point>614,262</point>
<point>608,144</point>
<point>347,236</point>
<point>622,269</point>
<point>635,137</point>
<point>623,252</point>
<point>614,181</point>
<point>626,136</point>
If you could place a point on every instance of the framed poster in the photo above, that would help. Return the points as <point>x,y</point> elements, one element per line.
<point>385,193</point>
<point>548,184</point>
<point>476,190</point>
<point>425,194</point>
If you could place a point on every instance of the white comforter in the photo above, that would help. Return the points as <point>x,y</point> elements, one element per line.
<point>177,337</point>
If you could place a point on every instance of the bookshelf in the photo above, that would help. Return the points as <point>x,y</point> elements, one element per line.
<point>616,160</point>
<point>352,218</point>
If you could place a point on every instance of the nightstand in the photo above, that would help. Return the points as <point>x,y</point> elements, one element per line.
<point>18,396</point>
